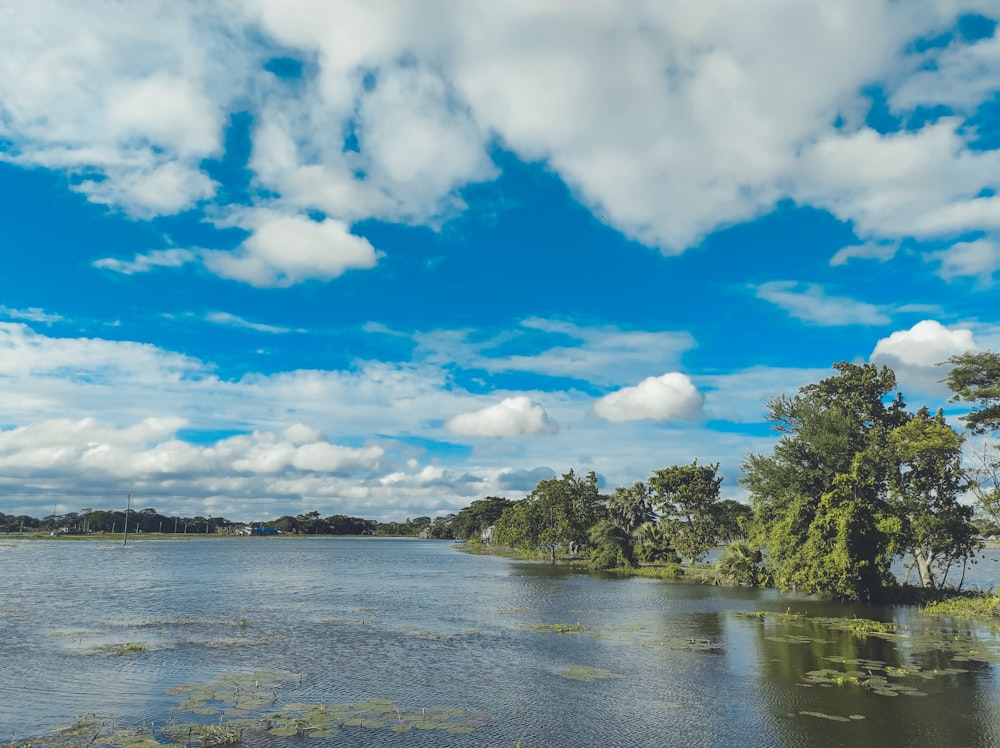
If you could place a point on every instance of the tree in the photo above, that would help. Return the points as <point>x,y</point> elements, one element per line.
<point>975,378</point>
<point>631,507</point>
<point>610,546</point>
<point>741,563</point>
<point>733,520</point>
<point>654,544</point>
<point>559,512</point>
<point>935,529</point>
<point>820,499</point>
<point>687,498</point>
<point>473,520</point>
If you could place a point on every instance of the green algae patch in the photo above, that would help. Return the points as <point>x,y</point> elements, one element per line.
<point>232,693</point>
<point>256,697</point>
<point>587,674</point>
<point>94,730</point>
<point>561,628</point>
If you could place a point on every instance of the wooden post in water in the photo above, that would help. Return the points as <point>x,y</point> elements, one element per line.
<point>128,505</point>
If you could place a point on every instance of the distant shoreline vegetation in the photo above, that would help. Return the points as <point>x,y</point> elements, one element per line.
<point>150,523</point>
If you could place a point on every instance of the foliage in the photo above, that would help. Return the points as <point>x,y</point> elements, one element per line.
<point>935,530</point>
<point>654,544</point>
<point>631,507</point>
<point>733,520</point>
<point>742,564</point>
<point>970,606</point>
<point>821,498</point>
<point>610,546</point>
<point>473,520</point>
<point>975,378</point>
<point>559,512</point>
<point>687,498</point>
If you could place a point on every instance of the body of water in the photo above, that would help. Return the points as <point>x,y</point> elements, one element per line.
<point>465,650</point>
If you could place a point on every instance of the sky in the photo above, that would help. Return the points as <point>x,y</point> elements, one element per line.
<point>386,258</point>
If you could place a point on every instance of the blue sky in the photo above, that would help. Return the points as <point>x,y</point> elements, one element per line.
<point>263,258</point>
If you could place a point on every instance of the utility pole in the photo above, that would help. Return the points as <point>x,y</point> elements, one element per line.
<point>128,505</point>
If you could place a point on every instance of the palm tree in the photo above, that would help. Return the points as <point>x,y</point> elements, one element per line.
<point>654,543</point>
<point>630,507</point>
<point>741,563</point>
<point>611,547</point>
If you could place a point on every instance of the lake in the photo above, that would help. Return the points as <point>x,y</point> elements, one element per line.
<point>384,642</point>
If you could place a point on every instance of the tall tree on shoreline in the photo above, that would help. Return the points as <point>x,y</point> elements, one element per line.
<point>935,529</point>
<point>687,496</point>
<point>820,499</point>
<point>975,378</point>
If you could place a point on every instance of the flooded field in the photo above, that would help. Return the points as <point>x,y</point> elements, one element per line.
<point>377,642</point>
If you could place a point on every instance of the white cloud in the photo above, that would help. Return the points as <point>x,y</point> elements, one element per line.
<point>881,251</point>
<point>143,263</point>
<point>233,320</point>
<point>914,354</point>
<point>601,355</point>
<point>514,416</point>
<point>959,76</point>
<point>283,250</point>
<point>666,398</point>
<point>672,119</point>
<point>366,440</point>
<point>31,314</point>
<point>979,259</point>
<point>809,303</point>
<point>129,98</point>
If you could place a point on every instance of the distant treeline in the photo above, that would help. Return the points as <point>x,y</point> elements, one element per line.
<point>91,521</point>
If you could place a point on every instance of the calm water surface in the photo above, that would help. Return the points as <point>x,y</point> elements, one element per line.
<point>425,626</point>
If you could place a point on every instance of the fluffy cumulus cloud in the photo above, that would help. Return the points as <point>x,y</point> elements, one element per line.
<point>915,354</point>
<point>514,416</point>
<point>670,397</point>
<point>286,249</point>
<point>670,119</point>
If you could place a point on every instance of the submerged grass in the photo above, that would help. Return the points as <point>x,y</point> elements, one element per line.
<point>985,606</point>
<point>561,628</point>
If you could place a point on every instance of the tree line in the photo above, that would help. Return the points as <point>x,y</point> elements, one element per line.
<point>93,521</point>
<point>855,481</point>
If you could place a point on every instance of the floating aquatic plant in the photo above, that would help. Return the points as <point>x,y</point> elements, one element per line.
<point>561,628</point>
<point>129,648</point>
<point>586,673</point>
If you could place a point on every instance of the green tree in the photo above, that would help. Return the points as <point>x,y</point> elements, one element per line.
<point>610,546</point>
<point>935,530</point>
<point>975,378</point>
<point>686,497</point>
<point>473,520</point>
<point>631,507</point>
<point>654,544</point>
<point>733,520</point>
<point>743,564</point>
<point>821,505</point>
<point>559,512</point>
<point>519,526</point>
